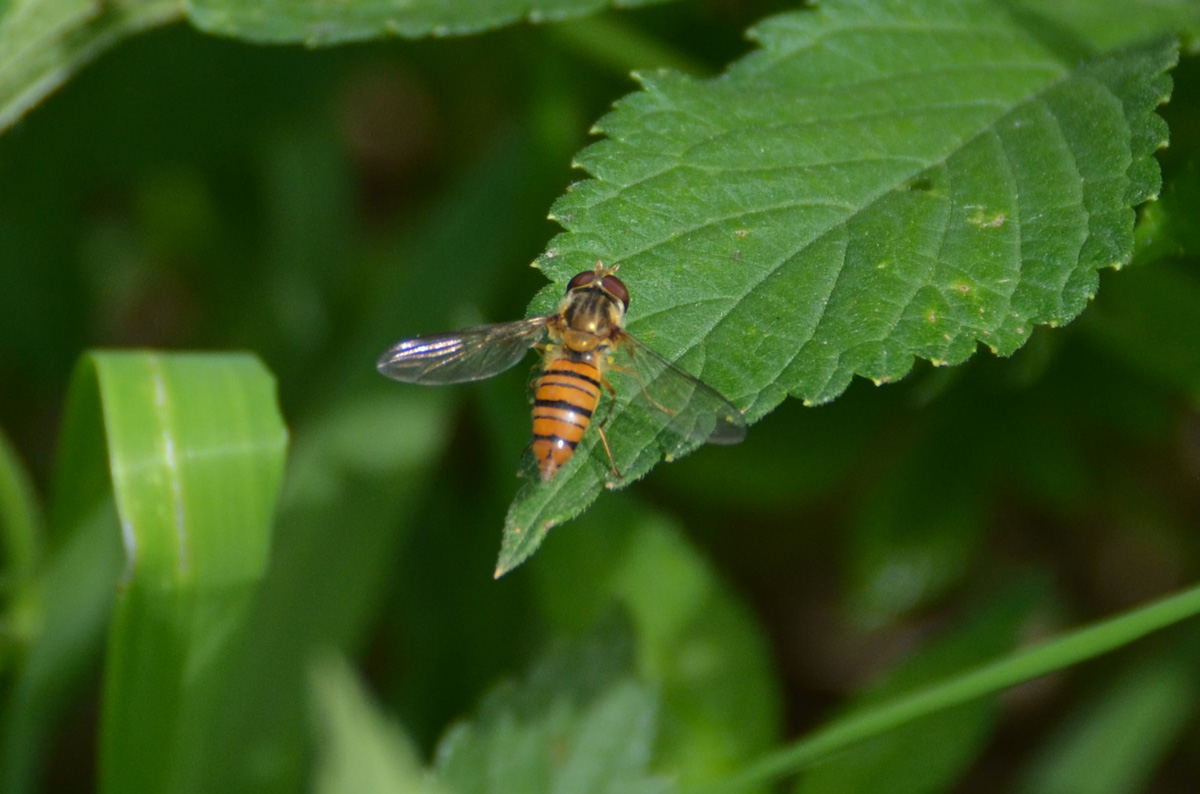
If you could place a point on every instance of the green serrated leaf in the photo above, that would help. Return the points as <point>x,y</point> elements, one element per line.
<point>880,181</point>
<point>317,23</point>
<point>42,44</point>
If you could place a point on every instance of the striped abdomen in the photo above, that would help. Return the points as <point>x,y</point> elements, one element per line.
<point>565,396</point>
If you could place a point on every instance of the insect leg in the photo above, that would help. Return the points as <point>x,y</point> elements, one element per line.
<point>612,400</point>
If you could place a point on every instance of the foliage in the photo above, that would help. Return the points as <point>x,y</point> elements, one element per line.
<point>919,194</point>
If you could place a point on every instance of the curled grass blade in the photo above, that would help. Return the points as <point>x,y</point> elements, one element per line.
<point>195,446</point>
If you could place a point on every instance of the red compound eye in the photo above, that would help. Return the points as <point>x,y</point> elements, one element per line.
<point>581,280</point>
<point>616,288</point>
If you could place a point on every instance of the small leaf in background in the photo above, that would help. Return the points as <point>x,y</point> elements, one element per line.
<point>359,751</point>
<point>579,721</point>
<point>1164,232</point>
<point>878,182</point>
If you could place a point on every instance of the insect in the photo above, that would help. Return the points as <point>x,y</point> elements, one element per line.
<point>582,344</point>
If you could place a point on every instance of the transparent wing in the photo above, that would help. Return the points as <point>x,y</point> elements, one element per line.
<point>687,410</point>
<point>461,356</point>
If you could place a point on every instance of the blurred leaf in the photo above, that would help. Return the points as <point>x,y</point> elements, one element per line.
<point>579,722</point>
<point>63,616</point>
<point>779,240</point>
<point>68,606</point>
<point>44,675</point>
<point>42,44</point>
<point>609,41</point>
<point>773,471</point>
<point>357,480</point>
<point>22,526</point>
<point>915,533</point>
<point>196,449</point>
<point>1167,229</point>
<point>352,482</point>
<point>1023,665</point>
<point>359,750</point>
<point>1114,740</point>
<point>1151,323</point>
<point>928,754</point>
<point>352,486</point>
<point>316,23</point>
<point>695,641</point>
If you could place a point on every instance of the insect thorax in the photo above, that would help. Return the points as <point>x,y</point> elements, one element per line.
<point>589,319</point>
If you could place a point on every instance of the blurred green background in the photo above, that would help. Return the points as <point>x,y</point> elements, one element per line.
<point>187,192</point>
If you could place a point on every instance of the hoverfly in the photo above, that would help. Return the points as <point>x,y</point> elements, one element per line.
<point>583,341</point>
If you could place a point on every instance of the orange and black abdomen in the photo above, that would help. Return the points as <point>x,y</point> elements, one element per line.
<point>565,396</point>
